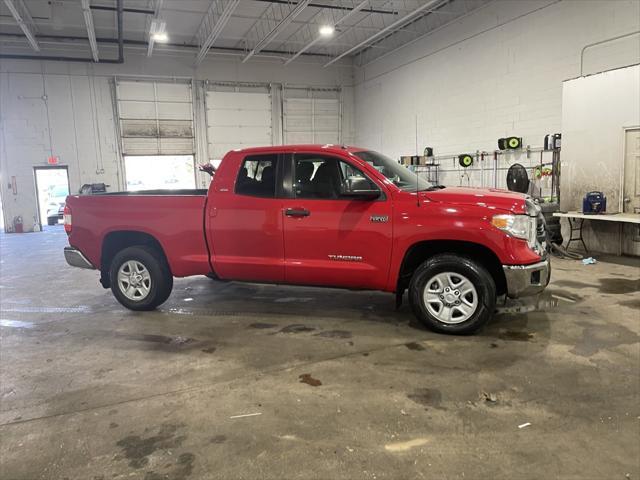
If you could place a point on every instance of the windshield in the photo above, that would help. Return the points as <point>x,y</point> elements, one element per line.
<point>401,176</point>
<point>59,191</point>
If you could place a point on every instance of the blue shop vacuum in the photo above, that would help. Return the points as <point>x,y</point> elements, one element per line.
<point>594,203</point>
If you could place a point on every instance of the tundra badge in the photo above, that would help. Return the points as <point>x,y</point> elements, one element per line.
<point>345,258</point>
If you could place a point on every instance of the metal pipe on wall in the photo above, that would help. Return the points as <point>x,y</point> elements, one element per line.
<point>120,32</point>
<point>619,37</point>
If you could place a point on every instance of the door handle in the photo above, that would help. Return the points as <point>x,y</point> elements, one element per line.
<point>297,212</point>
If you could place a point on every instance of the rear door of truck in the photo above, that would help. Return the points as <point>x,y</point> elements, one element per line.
<point>244,218</point>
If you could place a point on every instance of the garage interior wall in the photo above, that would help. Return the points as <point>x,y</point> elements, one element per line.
<point>68,110</point>
<point>605,103</point>
<point>494,73</point>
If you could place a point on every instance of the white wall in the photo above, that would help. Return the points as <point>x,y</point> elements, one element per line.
<point>66,109</point>
<point>595,111</point>
<point>494,73</point>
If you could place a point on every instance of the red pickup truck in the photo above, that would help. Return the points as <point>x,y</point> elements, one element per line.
<point>327,215</point>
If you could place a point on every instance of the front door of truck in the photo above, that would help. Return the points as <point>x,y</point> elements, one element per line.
<point>330,239</point>
<point>246,222</point>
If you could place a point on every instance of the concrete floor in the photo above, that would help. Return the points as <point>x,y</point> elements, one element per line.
<point>251,381</point>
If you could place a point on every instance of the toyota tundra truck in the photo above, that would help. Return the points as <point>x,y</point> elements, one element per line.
<point>318,215</point>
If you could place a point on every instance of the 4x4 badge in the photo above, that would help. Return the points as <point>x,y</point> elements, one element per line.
<point>379,218</point>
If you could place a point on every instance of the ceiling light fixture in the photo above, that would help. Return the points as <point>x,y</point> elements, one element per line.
<point>160,37</point>
<point>158,30</point>
<point>326,30</point>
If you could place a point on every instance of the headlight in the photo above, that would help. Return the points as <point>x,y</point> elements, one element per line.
<point>519,226</point>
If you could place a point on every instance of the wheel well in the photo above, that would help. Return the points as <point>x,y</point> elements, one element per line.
<point>422,251</point>
<point>117,241</point>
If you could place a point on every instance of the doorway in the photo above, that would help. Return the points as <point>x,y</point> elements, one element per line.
<point>631,187</point>
<point>1,215</point>
<point>52,188</point>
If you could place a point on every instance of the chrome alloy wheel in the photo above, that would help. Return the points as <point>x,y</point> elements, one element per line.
<point>134,280</point>
<point>450,297</point>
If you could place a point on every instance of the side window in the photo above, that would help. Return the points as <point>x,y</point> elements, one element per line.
<point>352,176</point>
<point>322,177</point>
<point>257,176</point>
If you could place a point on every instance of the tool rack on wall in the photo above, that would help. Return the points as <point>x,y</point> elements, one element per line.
<point>489,170</point>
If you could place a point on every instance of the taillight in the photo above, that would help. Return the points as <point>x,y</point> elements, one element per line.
<point>67,219</point>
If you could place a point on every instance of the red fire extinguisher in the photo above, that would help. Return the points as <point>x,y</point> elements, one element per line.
<point>17,224</point>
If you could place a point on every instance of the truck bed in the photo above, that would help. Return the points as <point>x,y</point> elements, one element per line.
<point>175,218</point>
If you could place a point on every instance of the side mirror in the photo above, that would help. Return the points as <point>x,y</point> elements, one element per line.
<point>208,168</point>
<point>360,189</point>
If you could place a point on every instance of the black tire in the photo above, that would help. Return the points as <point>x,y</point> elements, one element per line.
<point>160,275</point>
<point>52,221</point>
<point>480,278</point>
<point>554,233</point>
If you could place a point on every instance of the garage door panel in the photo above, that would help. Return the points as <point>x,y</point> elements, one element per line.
<point>324,123</point>
<point>327,137</point>
<point>237,120</point>
<point>298,106</point>
<point>155,146</point>
<point>178,111</point>
<point>241,135</point>
<point>167,92</point>
<point>139,128</point>
<point>299,137</point>
<point>156,118</point>
<point>239,100</point>
<point>175,129</point>
<point>327,107</point>
<point>297,123</point>
<point>176,146</point>
<point>133,109</point>
<point>312,120</point>
<point>136,91</point>
<point>140,146</point>
<point>252,118</point>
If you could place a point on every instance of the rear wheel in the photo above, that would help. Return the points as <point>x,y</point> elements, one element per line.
<point>452,294</point>
<point>140,278</point>
<point>52,221</point>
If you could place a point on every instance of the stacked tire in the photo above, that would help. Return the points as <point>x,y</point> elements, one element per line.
<point>554,233</point>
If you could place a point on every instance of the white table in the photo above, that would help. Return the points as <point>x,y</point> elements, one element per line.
<point>619,218</point>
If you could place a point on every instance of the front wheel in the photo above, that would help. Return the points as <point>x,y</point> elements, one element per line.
<point>140,278</point>
<point>452,294</point>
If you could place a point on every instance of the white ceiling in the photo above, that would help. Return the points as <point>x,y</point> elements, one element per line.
<point>376,29</point>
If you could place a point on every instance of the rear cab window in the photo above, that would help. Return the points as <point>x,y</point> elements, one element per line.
<point>257,176</point>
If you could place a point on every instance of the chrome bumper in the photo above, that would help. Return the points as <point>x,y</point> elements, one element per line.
<point>525,280</point>
<point>75,258</point>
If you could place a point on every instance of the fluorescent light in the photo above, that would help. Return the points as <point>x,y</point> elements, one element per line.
<point>158,30</point>
<point>326,30</point>
<point>160,37</point>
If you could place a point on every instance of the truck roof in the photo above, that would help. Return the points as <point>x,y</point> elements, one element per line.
<point>327,147</point>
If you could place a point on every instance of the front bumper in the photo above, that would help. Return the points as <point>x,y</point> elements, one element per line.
<point>526,280</point>
<point>75,258</point>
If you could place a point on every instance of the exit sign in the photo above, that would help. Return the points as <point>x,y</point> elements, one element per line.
<point>53,160</point>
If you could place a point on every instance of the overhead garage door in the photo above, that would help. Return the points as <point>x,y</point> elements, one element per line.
<point>312,116</point>
<point>156,118</point>
<point>237,119</point>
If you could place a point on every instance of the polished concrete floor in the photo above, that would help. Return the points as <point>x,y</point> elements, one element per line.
<point>241,381</point>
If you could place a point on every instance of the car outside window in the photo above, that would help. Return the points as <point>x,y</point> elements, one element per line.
<point>257,176</point>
